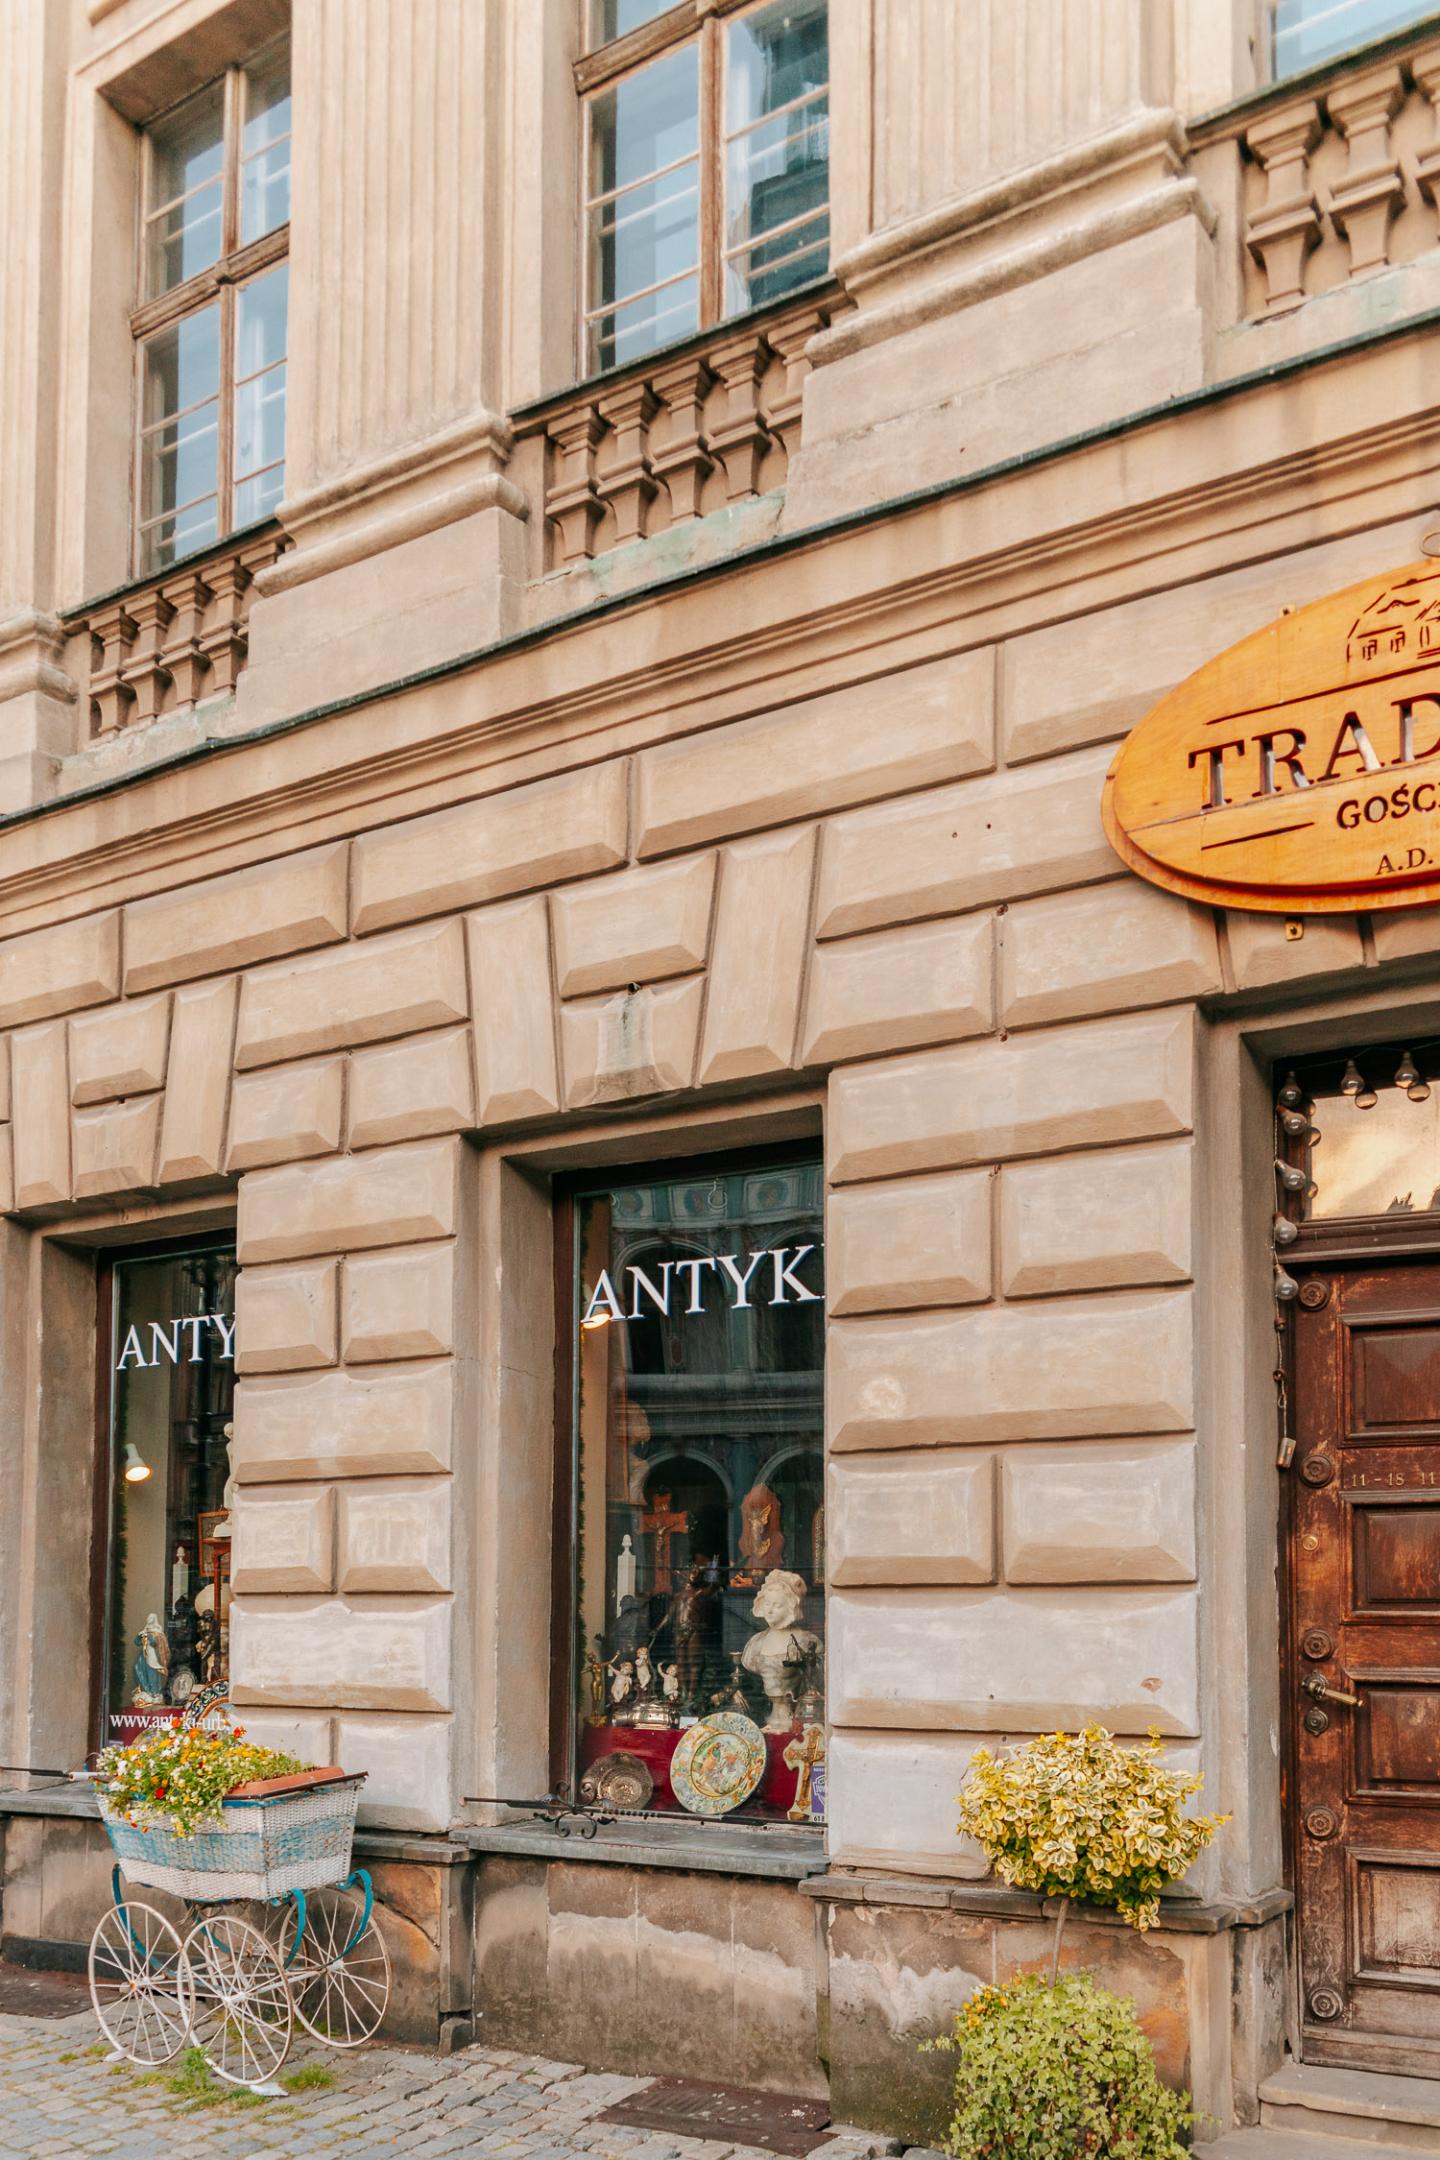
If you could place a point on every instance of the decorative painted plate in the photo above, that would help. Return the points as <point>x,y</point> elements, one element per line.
<point>718,1763</point>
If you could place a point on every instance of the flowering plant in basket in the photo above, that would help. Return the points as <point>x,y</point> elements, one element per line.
<point>175,1778</point>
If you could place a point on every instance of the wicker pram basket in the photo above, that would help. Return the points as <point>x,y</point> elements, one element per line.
<point>264,1847</point>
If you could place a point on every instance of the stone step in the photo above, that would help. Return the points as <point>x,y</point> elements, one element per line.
<point>1295,2145</point>
<point>1362,2107</point>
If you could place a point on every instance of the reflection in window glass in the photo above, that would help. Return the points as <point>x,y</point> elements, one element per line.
<point>1375,1122</point>
<point>172,1380</point>
<point>179,440</point>
<point>265,147</point>
<point>699,1524</point>
<point>777,155</point>
<point>644,215</point>
<point>613,18</point>
<point>1308,31</point>
<point>184,226</point>
<point>260,395</point>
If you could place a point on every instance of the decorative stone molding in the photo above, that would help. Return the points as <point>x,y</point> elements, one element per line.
<point>159,647</point>
<point>1372,191</point>
<point>661,445</point>
<point>1283,231</point>
<point>31,649</point>
<point>1425,69</point>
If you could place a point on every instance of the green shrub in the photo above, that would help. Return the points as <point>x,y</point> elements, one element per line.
<point>1058,2073</point>
<point>1086,1818</point>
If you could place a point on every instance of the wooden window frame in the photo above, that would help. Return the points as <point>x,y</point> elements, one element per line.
<point>237,265</point>
<point>599,69</point>
<point>564,1546</point>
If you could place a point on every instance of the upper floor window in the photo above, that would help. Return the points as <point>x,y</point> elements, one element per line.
<point>707,166</point>
<point>1309,31</point>
<point>211,322</point>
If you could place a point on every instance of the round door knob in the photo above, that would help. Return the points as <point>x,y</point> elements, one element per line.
<point>1313,1293</point>
<point>1317,1469</point>
<point>1326,2002</point>
<point>1321,1822</point>
<point>1315,1643</point>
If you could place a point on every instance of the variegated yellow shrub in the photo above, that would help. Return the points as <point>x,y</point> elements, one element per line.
<point>1083,1817</point>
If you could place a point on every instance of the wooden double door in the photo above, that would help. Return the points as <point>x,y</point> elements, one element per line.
<point>1362,1685</point>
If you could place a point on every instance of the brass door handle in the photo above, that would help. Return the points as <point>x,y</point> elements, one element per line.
<point>1312,1684</point>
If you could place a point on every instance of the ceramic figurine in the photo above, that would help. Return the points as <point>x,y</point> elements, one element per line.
<point>776,1652</point>
<point>670,1683</point>
<point>622,1691</point>
<point>151,1667</point>
<point>644,1670</point>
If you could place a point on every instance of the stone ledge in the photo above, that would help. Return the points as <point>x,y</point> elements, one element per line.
<point>782,1855</point>
<point>1178,1915</point>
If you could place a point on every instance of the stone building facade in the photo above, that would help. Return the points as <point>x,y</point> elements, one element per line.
<point>632,777</point>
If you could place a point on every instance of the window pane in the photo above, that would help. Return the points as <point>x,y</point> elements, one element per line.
<point>265,146</point>
<point>644,221</point>
<point>1375,1148</point>
<point>699,1527</point>
<point>171,1388</point>
<point>184,225</point>
<point>180,415</point>
<point>1308,31</point>
<point>260,395</point>
<point>777,158</point>
<point>612,18</point>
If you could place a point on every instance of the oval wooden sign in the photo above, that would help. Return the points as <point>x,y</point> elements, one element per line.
<point>1299,772</point>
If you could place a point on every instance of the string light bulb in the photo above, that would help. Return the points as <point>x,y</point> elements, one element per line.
<point>1351,1083</point>
<point>1407,1076</point>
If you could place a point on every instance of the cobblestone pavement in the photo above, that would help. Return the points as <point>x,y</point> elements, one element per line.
<point>59,2099</point>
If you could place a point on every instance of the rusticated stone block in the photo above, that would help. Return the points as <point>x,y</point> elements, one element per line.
<point>1110,1080</point>
<point>916,1241</point>
<point>514,1024</point>
<point>934,722</point>
<point>59,969</point>
<point>405,1090</point>
<point>285,1317</point>
<point>306,1733</point>
<point>638,927</point>
<point>631,1045</point>
<point>284,1542</point>
<point>1100,1513</point>
<point>285,1113</point>
<point>395,1196</point>
<point>40,1089</point>
<point>900,988</point>
<point>383,986</point>
<point>507,843</point>
<point>395,1535</point>
<point>114,1147</point>
<point>400,1304</point>
<point>891,1802</point>
<point>192,1131</point>
<point>967,846</point>
<point>1072,1366</point>
<point>341,1653</point>
<point>985,1660</point>
<point>4,1078</point>
<point>407,1765</point>
<point>1261,953</point>
<point>378,1423</point>
<point>1109,1220</point>
<point>120,1051</point>
<point>280,906</point>
<point>1118,945</point>
<point>1397,937</point>
<point>758,964</point>
<point>914,1516</point>
<point>7,1170</point>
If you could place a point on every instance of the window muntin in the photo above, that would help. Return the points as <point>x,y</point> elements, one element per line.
<point>707,170</point>
<point>171,1386</point>
<point>1305,32</point>
<point>211,325</point>
<point>698,1316</point>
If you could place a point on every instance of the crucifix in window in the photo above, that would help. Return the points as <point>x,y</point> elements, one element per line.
<point>663,1522</point>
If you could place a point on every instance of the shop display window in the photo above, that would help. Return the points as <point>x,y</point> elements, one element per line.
<point>168,1323</point>
<point>696,1668</point>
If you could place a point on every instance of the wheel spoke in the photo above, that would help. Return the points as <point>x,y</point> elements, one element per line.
<point>141,1996</point>
<point>244,2022</point>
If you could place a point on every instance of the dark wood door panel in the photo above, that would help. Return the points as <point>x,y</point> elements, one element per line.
<point>1363,1685</point>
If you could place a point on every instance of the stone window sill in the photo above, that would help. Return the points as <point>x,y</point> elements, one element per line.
<point>782,1855</point>
<point>1179,1914</point>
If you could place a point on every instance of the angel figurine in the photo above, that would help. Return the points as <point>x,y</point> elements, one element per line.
<point>670,1683</point>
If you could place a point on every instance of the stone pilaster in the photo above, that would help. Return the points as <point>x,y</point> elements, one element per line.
<point>37,699</point>
<point>395,430</point>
